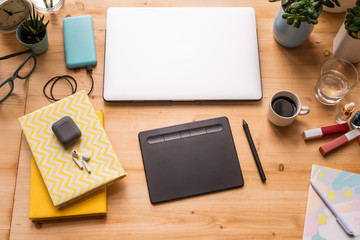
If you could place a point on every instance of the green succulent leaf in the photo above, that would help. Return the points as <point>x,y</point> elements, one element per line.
<point>329,4</point>
<point>302,3</point>
<point>354,28</point>
<point>316,4</point>
<point>349,16</point>
<point>315,15</point>
<point>286,15</point>
<point>295,5</point>
<point>311,10</point>
<point>302,18</point>
<point>297,23</point>
<point>356,11</point>
<point>290,20</point>
<point>311,21</point>
<point>356,20</point>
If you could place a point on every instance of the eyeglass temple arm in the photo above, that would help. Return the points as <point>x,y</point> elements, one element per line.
<point>16,54</point>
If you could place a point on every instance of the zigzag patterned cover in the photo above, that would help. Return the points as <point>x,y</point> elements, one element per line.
<point>64,180</point>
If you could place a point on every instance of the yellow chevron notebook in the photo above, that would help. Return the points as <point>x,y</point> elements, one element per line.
<point>42,208</point>
<point>63,179</point>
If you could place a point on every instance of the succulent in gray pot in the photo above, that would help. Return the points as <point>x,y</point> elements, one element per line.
<point>346,44</point>
<point>32,33</point>
<point>295,20</point>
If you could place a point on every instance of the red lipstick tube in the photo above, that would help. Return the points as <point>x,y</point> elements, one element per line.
<point>324,131</point>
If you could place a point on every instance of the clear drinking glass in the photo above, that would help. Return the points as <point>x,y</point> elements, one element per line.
<point>47,6</point>
<point>336,79</point>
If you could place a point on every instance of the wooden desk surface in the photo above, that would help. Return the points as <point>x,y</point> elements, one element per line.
<point>273,210</point>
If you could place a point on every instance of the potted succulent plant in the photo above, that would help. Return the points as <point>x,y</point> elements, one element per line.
<point>295,20</point>
<point>32,33</point>
<point>346,44</point>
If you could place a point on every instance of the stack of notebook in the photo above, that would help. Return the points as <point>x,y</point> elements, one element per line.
<point>59,189</point>
<point>342,190</point>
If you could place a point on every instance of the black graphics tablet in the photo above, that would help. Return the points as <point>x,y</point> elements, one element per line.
<point>190,159</point>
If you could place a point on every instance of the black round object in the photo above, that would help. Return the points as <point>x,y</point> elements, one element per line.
<point>284,106</point>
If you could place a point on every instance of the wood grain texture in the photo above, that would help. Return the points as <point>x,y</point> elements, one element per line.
<point>10,134</point>
<point>271,210</point>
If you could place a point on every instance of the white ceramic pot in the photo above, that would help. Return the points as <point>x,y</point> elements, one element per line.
<point>346,47</point>
<point>345,4</point>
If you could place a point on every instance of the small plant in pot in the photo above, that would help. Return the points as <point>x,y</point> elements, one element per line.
<point>32,33</point>
<point>352,21</point>
<point>298,11</point>
<point>346,44</point>
<point>295,20</point>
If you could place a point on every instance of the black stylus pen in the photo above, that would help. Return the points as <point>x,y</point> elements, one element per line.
<point>254,152</point>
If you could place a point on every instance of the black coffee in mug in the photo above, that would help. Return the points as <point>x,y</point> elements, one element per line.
<point>284,106</point>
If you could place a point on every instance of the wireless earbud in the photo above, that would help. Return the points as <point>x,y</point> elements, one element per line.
<point>85,158</point>
<point>75,155</point>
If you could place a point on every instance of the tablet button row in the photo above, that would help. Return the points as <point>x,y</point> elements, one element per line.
<point>185,134</point>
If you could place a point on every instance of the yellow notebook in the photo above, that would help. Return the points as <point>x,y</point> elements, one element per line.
<point>42,208</point>
<point>64,180</point>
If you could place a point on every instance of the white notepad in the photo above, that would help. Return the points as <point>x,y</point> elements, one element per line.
<point>195,53</point>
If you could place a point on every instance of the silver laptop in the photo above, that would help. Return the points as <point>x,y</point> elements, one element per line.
<point>181,54</point>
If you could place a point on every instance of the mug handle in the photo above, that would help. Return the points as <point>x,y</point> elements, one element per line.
<point>304,110</point>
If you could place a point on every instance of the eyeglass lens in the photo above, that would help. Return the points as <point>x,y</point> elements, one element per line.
<point>23,71</point>
<point>27,68</point>
<point>5,90</point>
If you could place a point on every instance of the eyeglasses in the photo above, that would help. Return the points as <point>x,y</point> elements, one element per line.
<point>22,72</point>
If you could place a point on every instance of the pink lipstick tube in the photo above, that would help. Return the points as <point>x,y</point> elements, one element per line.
<point>347,137</point>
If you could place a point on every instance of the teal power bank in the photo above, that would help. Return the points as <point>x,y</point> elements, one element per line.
<point>79,41</point>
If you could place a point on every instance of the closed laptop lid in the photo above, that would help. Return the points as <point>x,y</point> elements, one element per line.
<point>195,53</point>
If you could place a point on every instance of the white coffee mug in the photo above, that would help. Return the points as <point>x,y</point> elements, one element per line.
<point>281,120</point>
